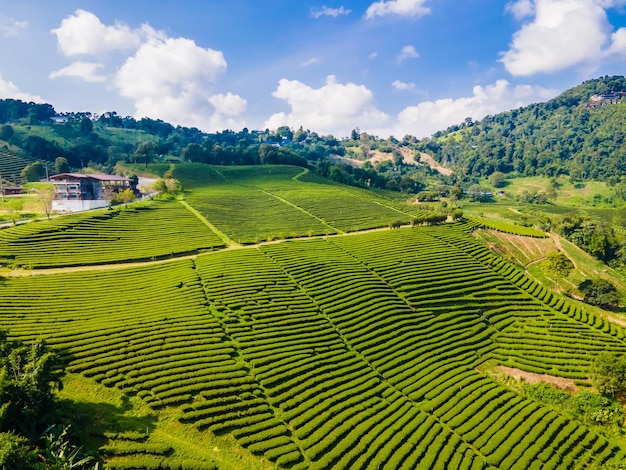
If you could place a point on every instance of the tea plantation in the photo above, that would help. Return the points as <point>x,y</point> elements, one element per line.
<point>339,352</point>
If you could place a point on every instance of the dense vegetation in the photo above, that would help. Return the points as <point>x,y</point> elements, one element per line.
<point>561,136</point>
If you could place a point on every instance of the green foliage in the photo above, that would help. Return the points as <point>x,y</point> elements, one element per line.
<point>17,453</point>
<point>59,453</point>
<point>34,171</point>
<point>599,292</point>
<point>588,407</point>
<point>28,376</point>
<point>558,265</point>
<point>552,138</point>
<point>497,179</point>
<point>61,165</point>
<point>608,373</point>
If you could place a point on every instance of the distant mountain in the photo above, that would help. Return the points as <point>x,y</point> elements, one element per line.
<point>579,133</point>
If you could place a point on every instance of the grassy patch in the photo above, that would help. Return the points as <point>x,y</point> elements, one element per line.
<point>104,416</point>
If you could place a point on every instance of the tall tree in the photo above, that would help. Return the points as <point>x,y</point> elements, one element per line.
<point>558,265</point>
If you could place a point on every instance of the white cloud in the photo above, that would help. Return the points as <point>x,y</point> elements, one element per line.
<point>520,8</point>
<point>8,90</point>
<point>561,34</point>
<point>409,8</point>
<point>618,43</point>
<point>373,55</point>
<point>228,111</point>
<point>172,80</point>
<point>84,33</point>
<point>334,108</point>
<point>326,11</point>
<point>408,52</point>
<point>84,70</point>
<point>429,117</point>
<point>398,85</point>
<point>309,62</point>
<point>13,29</point>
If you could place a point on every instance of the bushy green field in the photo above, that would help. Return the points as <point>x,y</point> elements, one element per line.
<point>348,352</point>
<point>257,203</point>
<point>145,231</point>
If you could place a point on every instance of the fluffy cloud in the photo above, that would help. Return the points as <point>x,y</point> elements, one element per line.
<point>84,70</point>
<point>398,85</point>
<point>171,79</point>
<point>521,8</point>
<point>8,90</point>
<point>408,52</point>
<point>409,8</point>
<point>84,33</point>
<point>428,117</point>
<point>13,29</point>
<point>333,108</point>
<point>228,111</point>
<point>326,11</point>
<point>562,33</point>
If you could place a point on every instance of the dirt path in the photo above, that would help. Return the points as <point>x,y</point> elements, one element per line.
<point>131,264</point>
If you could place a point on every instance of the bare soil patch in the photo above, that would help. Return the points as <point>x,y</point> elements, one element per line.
<point>430,161</point>
<point>530,377</point>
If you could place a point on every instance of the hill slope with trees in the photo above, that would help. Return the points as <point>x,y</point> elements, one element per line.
<point>579,133</point>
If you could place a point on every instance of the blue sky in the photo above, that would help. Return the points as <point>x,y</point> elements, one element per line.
<point>389,67</point>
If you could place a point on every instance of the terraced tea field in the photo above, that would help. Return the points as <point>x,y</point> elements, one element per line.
<point>145,231</point>
<point>258,203</point>
<point>346,352</point>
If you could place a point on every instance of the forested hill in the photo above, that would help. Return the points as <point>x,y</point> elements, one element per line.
<point>579,133</point>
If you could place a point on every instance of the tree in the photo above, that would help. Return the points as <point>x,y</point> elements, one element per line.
<point>45,197</point>
<point>61,165</point>
<point>28,376</point>
<point>86,126</point>
<point>145,151</point>
<point>559,265</point>
<point>6,132</point>
<point>599,292</point>
<point>125,196</point>
<point>13,209</point>
<point>608,373</point>
<point>497,179</point>
<point>478,193</point>
<point>33,171</point>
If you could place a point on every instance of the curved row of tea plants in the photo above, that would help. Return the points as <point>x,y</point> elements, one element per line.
<point>143,231</point>
<point>343,412</point>
<point>347,352</point>
<point>252,204</point>
<point>146,331</point>
<point>426,348</point>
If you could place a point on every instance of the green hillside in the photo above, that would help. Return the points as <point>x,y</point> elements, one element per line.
<point>341,350</point>
<point>570,134</point>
